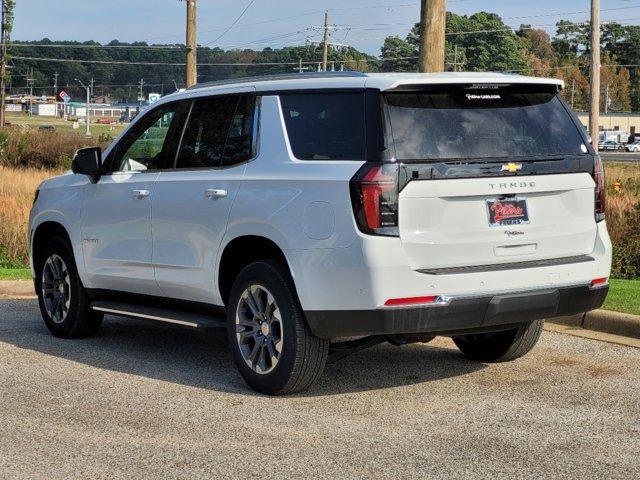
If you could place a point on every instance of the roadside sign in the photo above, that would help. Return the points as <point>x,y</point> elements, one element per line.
<point>64,96</point>
<point>154,97</point>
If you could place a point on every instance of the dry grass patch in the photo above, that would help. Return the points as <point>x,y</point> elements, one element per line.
<point>17,189</point>
<point>621,203</point>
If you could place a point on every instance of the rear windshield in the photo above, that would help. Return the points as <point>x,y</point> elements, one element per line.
<point>466,124</point>
<point>325,126</point>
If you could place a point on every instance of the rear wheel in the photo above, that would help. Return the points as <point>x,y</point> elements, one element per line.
<point>273,347</point>
<point>63,302</point>
<point>500,346</point>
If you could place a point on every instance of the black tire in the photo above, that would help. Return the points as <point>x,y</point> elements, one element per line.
<point>303,355</point>
<point>500,346</point>
<point>79,320</point>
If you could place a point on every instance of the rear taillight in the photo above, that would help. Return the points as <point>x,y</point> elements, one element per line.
<point>374,196</point>
<point>598,177</point>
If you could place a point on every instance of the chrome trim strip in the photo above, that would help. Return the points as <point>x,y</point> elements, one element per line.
<point>553,262</point>
<point>142,315</point>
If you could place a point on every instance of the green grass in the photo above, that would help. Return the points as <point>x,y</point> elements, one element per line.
<point>15,274</point>
<point>624,296</point>
<point>35,121</point>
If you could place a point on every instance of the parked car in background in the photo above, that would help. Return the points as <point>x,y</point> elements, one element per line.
<point>633,146</point>
<point>610,145</point>
<point>301,209</point>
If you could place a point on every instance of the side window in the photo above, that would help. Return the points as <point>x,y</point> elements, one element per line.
<point>240,146</point>
<point>145,147</point>
<point>206,132</point>
<point>325,126</point>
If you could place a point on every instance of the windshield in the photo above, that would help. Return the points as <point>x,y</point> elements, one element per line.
<point>480,124</point>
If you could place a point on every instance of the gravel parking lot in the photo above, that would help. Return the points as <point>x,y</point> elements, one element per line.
<point>142,400</point>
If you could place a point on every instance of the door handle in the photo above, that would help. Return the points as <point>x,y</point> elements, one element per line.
<point>215,193</point>
<point>140,193</point>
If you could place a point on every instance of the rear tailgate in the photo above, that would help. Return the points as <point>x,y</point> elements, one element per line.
<point>446,223</point>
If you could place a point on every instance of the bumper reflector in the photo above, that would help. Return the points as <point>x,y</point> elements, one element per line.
<point>430,300</point>
<point>599,282</point>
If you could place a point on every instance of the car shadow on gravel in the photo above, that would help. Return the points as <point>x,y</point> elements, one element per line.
<point>202,359</point>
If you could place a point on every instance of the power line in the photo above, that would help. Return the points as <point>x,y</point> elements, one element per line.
<point>299,15</point>
<point>212,64</point>
<point>98,46</point>
<point>233,23</point>
<point>289,17</point>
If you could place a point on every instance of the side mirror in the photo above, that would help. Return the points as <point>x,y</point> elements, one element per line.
<point>88,161</point>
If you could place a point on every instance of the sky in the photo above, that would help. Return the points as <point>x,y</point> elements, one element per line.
<point>362,24</point>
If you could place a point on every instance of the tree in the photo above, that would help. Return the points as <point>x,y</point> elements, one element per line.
<point>621,90</point>
<point>484,42</point>
<point>397,48</point>
<point>539,54</point>
<point>571,38</point>
<point>576,90</point>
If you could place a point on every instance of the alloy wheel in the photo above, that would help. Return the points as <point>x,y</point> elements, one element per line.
<point>56,288</point>
<point>259,329</point>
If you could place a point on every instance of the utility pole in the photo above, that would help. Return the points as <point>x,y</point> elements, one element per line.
<point>4,38</point>
<point>573,91</point>
<point>30,86</point>
<point>594,112</point>
<point>191,74</point>
<point>87,130</point>
<point>55,85</point>
<point>432,25</point>
<point>455,58</point>
<point>325,41</point>
<point>141,93</point>
<point>606,99</point>
<point>456,64</point>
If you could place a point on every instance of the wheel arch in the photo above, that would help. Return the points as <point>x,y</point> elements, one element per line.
<point>240,252</point>
<point>42,233</point>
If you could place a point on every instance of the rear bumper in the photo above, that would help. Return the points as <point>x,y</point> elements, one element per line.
<point>461,315</point>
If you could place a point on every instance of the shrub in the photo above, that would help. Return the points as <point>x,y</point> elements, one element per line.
<point>105,139</point>
<point>34,149</point>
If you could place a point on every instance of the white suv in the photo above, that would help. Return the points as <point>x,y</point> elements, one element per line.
<point>301,209</point>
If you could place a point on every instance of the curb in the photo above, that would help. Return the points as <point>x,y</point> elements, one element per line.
<point>16,289</point>
<point>606,321</point>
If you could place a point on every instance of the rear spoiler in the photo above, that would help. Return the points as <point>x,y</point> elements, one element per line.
<point>504,87</point>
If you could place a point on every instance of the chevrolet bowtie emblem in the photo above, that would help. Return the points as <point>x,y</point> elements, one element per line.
<point>511,167</point>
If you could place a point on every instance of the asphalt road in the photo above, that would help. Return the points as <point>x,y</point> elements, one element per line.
<point>142,400</point>
<point>620,156</point>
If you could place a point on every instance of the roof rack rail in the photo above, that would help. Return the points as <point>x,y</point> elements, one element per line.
<point>277,76</point>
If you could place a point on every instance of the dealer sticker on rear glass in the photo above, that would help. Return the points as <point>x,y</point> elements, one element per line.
<point>510,211</point>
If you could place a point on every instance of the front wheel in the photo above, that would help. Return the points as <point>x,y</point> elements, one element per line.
<point>63,302</point>
<point>500,346</point>
<point>273,347</point>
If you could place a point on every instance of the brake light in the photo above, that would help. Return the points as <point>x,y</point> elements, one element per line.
<point>600,200</point>
<point>374,197</point>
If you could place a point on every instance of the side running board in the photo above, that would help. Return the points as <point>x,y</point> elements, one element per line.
<point>177,317</point>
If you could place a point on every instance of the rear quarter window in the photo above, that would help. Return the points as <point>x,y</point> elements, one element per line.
<point>325,126</point>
